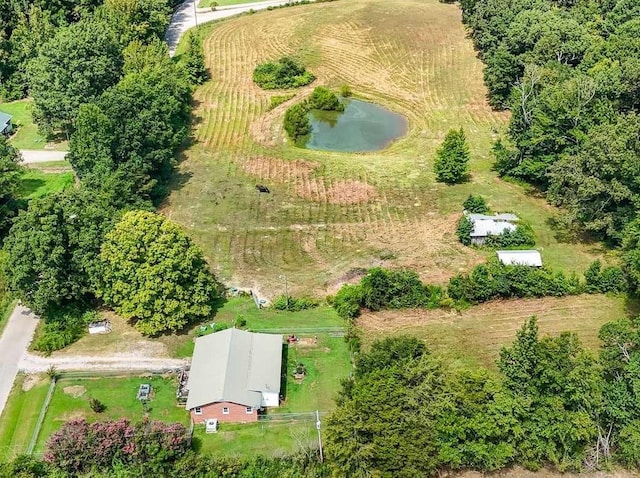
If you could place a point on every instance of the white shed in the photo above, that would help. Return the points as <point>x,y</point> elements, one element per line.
<point>520,258</point>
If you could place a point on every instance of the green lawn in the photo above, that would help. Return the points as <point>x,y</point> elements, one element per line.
<point>326,363</point>
<point>258,319</point>
<point>26,135</point>
<point>36,184</point>
<point>118,394</point>
<point>19,417</point>
<point>270,438</point>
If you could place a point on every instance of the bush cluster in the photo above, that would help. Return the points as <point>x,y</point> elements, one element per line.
<point>522,235</point>
<point>324,99</point>
<point>296,123</point>
<point>63,326</point>
<point>386,289</point>
<point>497,281</point>
<point>283,74</point>
<point>296,120</point>
<point>80,446</point>
<point>294,304</point>
<point>609,279</point>
<point>464,230</point>
<point>475,204</point>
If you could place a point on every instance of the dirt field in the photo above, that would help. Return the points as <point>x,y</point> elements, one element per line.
<point>477,334</point>
<point>328,213</point>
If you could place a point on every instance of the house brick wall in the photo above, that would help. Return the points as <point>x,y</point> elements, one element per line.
<point>237,413</point>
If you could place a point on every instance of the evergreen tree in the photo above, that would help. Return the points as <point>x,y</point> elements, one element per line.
<point>452,158</point>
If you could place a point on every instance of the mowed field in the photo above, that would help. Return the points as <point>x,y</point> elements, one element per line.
<point>331,212</point>
<point>474,336</point>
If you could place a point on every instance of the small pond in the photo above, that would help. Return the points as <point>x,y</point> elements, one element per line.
<point>360,127</point>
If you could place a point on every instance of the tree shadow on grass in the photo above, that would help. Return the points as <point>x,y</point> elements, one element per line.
<point>283,372</point>
<point>631,306</point>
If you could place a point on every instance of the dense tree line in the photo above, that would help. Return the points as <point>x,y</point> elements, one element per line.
<point>104,78</point>
<point>570,74</point>
<point>187,465</point>
<point>406,413</point>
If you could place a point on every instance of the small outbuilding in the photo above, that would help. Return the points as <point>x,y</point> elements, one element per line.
<point>5,123</point>
<point>234,374</point>
<point>484,226</point>
<point>520,258</point>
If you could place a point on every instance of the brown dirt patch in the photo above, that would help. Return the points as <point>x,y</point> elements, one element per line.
<point>277,169</point>
<point>306,342</point>
<point>342,192</point>
<point>31,381</point>
<point>76,391</point>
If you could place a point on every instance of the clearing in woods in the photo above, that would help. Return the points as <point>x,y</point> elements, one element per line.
<point>331,212</point>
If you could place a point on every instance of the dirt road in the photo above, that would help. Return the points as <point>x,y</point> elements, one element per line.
<point>13,344</point>
<point>30,156</point>
<point>30,363</point>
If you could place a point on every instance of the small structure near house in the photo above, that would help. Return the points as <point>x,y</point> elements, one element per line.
<point>5,123</point>
<point>211,425</point>
<point>520,258</point>
<point>484,226</point>
<point>101,327</point>
<point>234,373</point>
<point>144,392</point>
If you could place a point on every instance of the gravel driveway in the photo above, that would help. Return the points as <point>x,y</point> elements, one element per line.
<point>30,363</point>
<point>30,156</point>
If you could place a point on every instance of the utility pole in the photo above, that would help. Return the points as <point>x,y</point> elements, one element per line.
<point>286,289</point>
<point>318,423</point>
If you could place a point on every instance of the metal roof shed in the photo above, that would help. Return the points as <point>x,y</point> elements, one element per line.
<point>520,258</point>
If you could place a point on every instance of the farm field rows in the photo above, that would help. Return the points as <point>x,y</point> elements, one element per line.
<point>474,336</point>
<point>329,213</point>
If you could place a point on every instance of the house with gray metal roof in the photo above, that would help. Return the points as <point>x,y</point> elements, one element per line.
<point>5,123</point>
<point>233,374</point>
<point>484,226</point>
<point>520,258</point>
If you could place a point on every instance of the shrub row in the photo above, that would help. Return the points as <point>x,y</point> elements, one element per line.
<point>497,281</point>
<point>294,304</point>
<point>397,289</point>
<point>386,289</point>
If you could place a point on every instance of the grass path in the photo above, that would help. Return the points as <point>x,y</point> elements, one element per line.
<point>410,56</point>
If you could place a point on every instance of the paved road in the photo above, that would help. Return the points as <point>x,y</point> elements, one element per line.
<point>30,156</point>
<point>185,17</point>
<point>32,363</point>
<point>13,343</point>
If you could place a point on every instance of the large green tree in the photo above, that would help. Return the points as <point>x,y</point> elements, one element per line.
<point>136,20</point>
<point>53,248</point>
<point>452,158</point>
<point>386,421</point>
<point>153,274</point>
<point>10,171</point>
<point>600,185</point>
<point>74,67</point>
<point>135,127</point>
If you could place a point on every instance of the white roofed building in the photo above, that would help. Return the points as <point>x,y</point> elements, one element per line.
<point>234,373</point>
<point>484,226</point>
<point>520,258</point>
